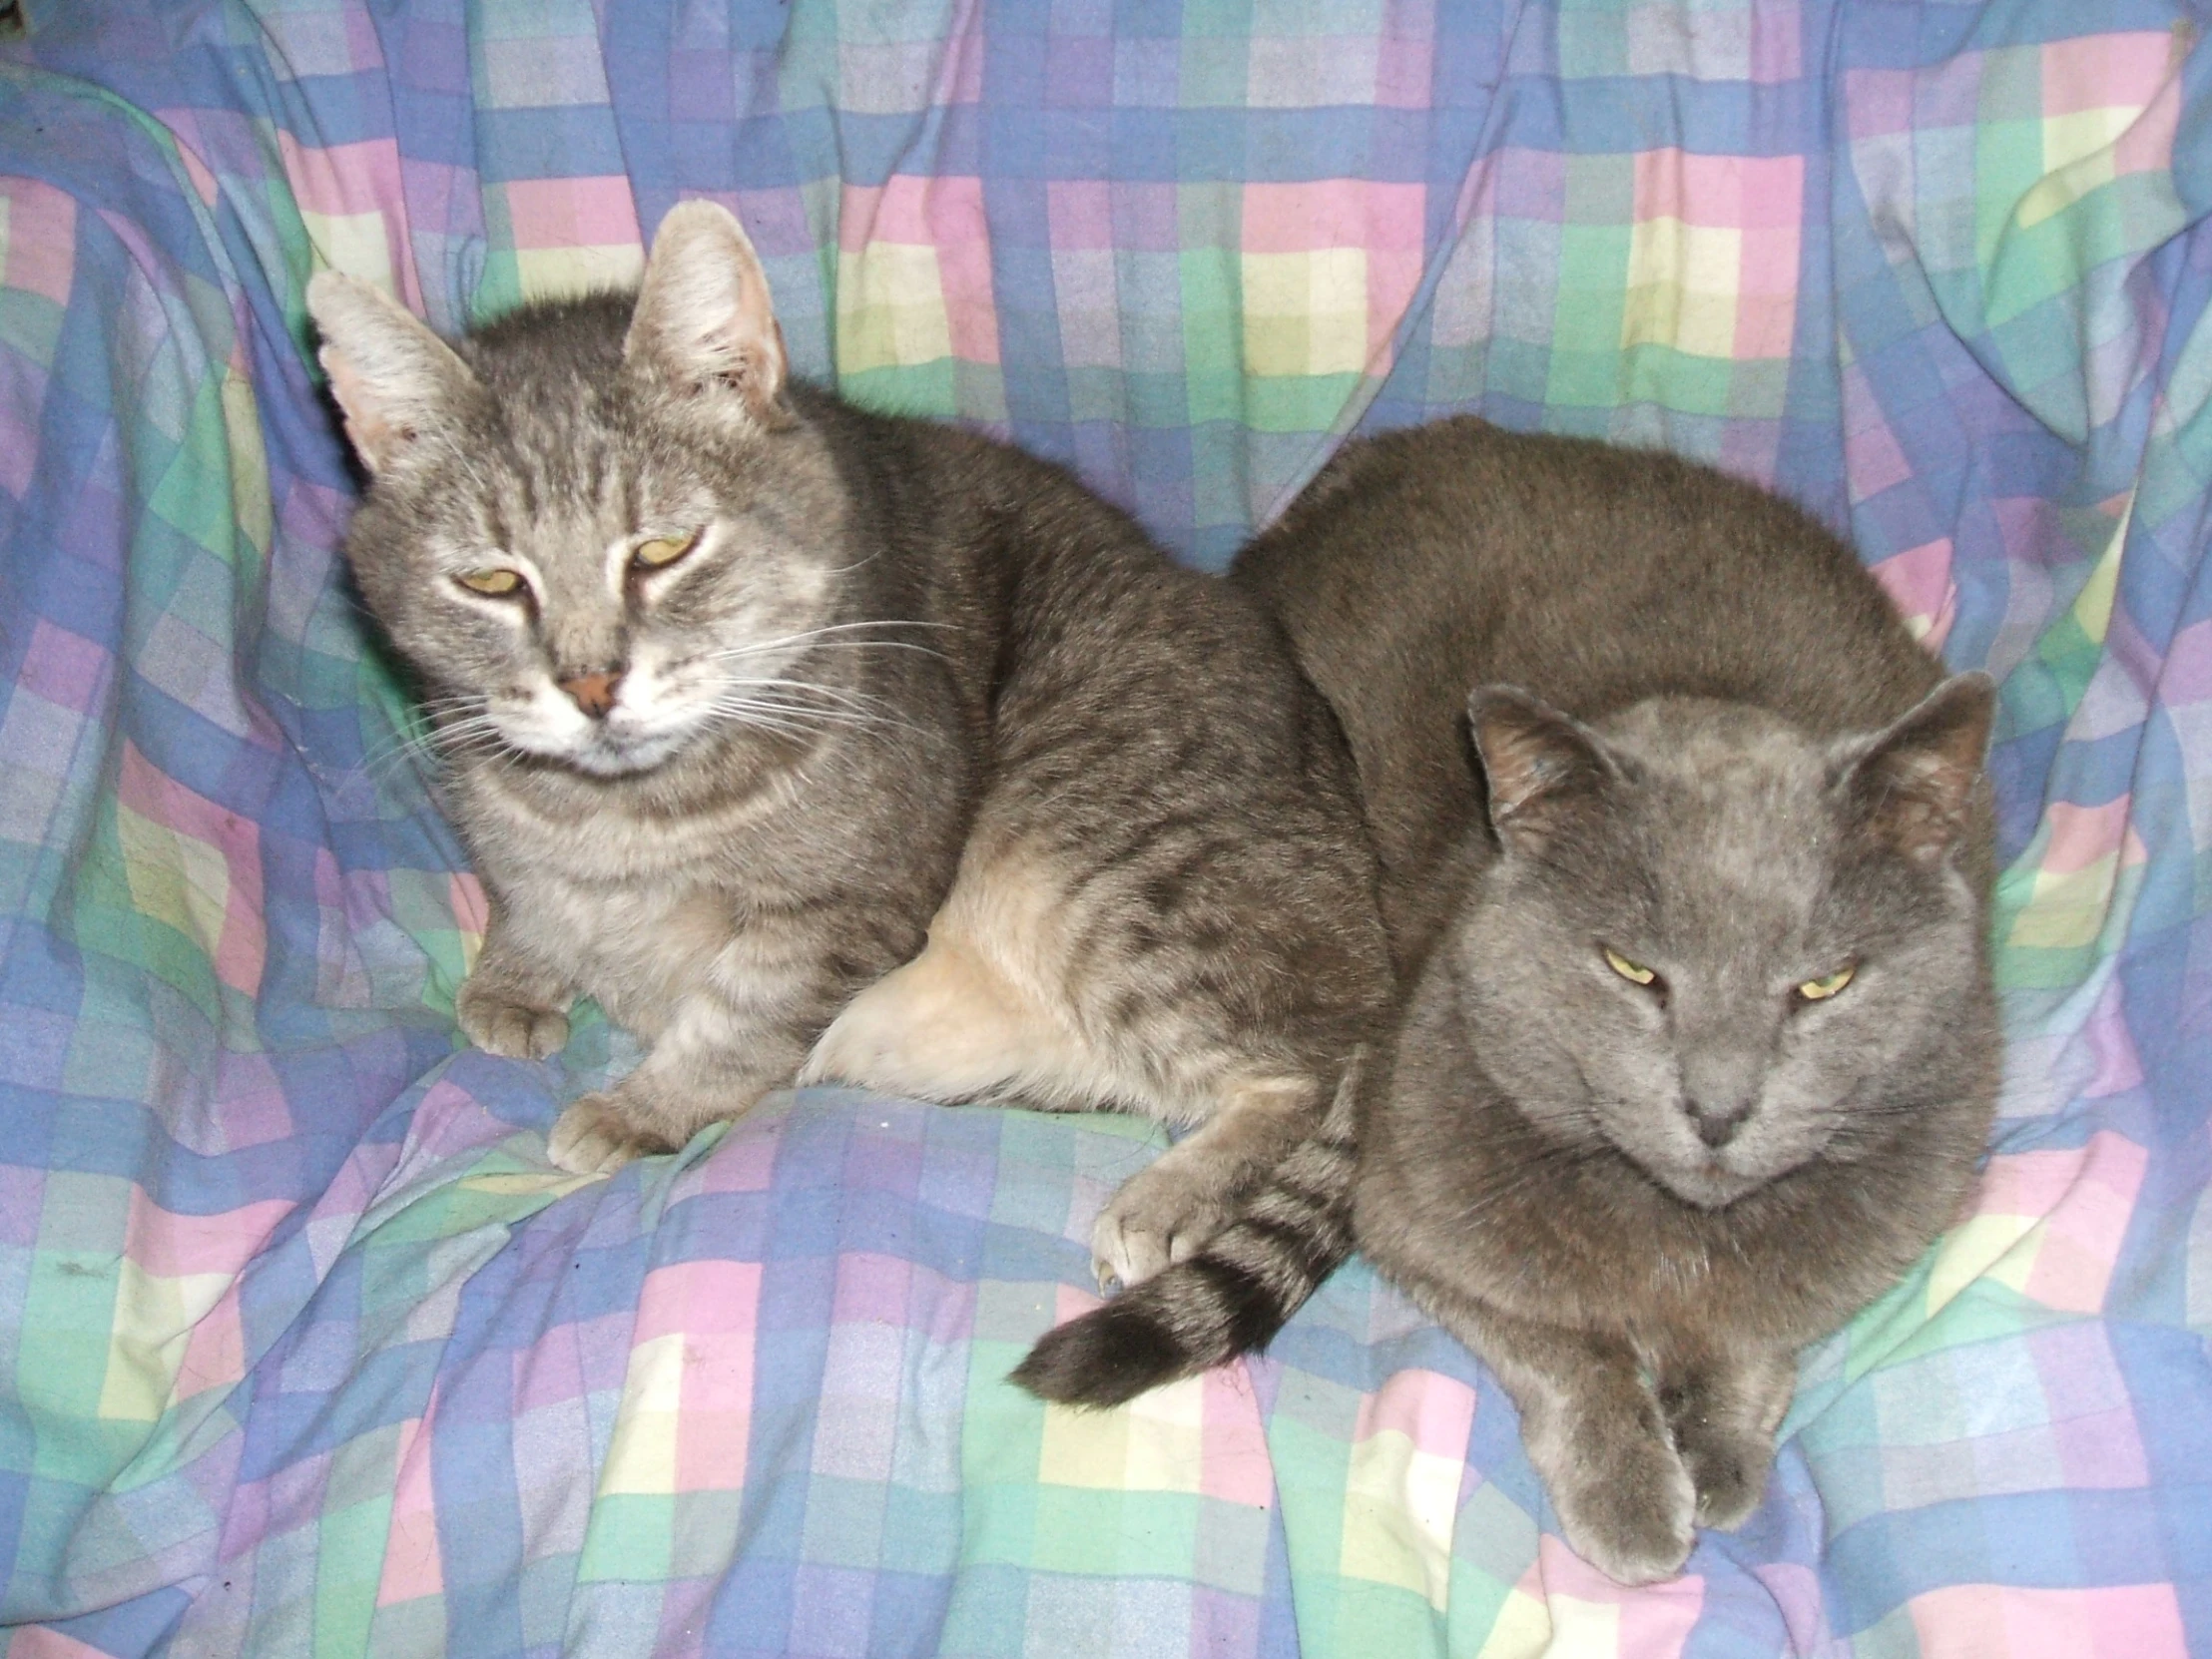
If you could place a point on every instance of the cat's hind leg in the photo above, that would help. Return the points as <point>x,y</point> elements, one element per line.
<point>951,1026</point>
<point>955,1027</point>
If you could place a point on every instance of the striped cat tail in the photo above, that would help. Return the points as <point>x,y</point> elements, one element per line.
<point>1229,1298</point>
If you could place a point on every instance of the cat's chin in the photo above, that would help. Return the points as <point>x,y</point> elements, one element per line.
<point>1707,1185</point>
<point>597,764</point>
<point>607,758</point>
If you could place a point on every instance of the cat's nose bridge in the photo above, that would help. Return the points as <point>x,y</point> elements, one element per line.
<point>588,653</point>
<point>1723,1076</point>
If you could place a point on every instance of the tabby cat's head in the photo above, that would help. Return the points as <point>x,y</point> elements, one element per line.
<point>1717,944</point>
<point>593,527</point>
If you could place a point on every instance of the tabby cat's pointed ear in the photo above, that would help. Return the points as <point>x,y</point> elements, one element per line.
<point>1535,760</point>
<point>1913,784</point>
<point>392,378</point>
<point>704,324</point>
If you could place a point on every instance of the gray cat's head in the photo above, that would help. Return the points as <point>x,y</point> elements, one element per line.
<point>1716,943</point>
<point>597,530</point>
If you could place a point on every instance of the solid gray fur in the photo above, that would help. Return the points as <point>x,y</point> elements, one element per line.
<point>1698,736</point>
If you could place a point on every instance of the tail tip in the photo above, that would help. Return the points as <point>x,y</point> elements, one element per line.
<point>1107,1357</point>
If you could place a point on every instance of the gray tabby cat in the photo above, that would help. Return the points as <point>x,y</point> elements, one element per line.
<point>823,745</point>
<point>1699,1048</point>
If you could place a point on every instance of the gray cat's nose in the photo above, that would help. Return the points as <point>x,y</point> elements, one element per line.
<point>592,692</point>
<point>1716,1128</point>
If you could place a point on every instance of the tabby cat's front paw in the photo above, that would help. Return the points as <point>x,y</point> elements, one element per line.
<point>1161,1215</point>
<point>497,1023</point>
<point>593,1137</point>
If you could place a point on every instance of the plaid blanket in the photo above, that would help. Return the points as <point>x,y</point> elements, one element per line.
<point>305,1347</point>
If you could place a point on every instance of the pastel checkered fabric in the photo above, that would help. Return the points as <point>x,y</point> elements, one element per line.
<point>305,1347</point>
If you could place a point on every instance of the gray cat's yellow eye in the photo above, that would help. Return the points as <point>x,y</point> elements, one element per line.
<point>1821,989</point>
<point>497,583</point>
<point>662,550</point>
<point>1634,972</point>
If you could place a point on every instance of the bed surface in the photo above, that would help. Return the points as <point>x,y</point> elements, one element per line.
<point>305,1347</point>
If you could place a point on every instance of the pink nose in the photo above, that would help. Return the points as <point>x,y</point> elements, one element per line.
<point>593,692</point>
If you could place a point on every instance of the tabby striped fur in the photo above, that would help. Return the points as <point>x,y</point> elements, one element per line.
<point>1230,1297</point>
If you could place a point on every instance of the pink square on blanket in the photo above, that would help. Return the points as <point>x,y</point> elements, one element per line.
<point>710,1309</point>
<point>1334,212</point>
<point>411,1558</point>
<point>65,669</point>
<point>214,1352</point>
<point>39,248</point>
<point>2002,1621</point>
<point>2103,72</point>
<point>1435,1412</point>
<point>945,216</point>
<point>1237,1467</point>
<point>1920,584</point>
<point>2083,1198</point>
<point>573,212</point>
<point>41,1641</point>
<point>197,866</point>
<point>1592,1614</point>
<point>2082,836</point>
<point>343,179</point>
<point>1713,253</point>
<point>168,1244</point>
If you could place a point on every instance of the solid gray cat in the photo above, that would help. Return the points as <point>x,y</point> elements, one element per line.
<point>744,697</point>
<point>1699,1049</point>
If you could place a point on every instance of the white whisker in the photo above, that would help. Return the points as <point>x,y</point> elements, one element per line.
<point>833,636</point>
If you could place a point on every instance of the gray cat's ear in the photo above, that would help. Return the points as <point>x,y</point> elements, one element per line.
<point>1915,784</point>
<point>392,378</point>
<point>1535,760</point>
<point>704,324</point>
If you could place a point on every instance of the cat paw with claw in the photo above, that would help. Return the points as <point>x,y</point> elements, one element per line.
<point>1726,1455</point>
<point>592,1137</point>
<point>1161,1215</point>
<point>1725,1437</point>
<point>499,1025</point>
<point>1730,1474</point>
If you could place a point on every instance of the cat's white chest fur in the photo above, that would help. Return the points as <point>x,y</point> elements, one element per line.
<point>638,947</point>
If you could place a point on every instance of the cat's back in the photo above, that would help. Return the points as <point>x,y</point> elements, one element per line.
<point>1590,574</point>
<point>1424,562</point>
<point>1092,621</point>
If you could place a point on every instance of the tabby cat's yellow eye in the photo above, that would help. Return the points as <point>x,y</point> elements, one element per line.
<point>663,550</point>
<point>1821,989</point>
<point>494,582</point>
<point>1634,972</point>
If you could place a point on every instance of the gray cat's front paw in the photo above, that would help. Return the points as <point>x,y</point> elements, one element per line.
<point>1723,1419</point>
<point>497,1023</point>
<point>1730,1476</point>
<point>1625,1500</point>
<point>593,1137</point>
<point>1160,1216</point>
